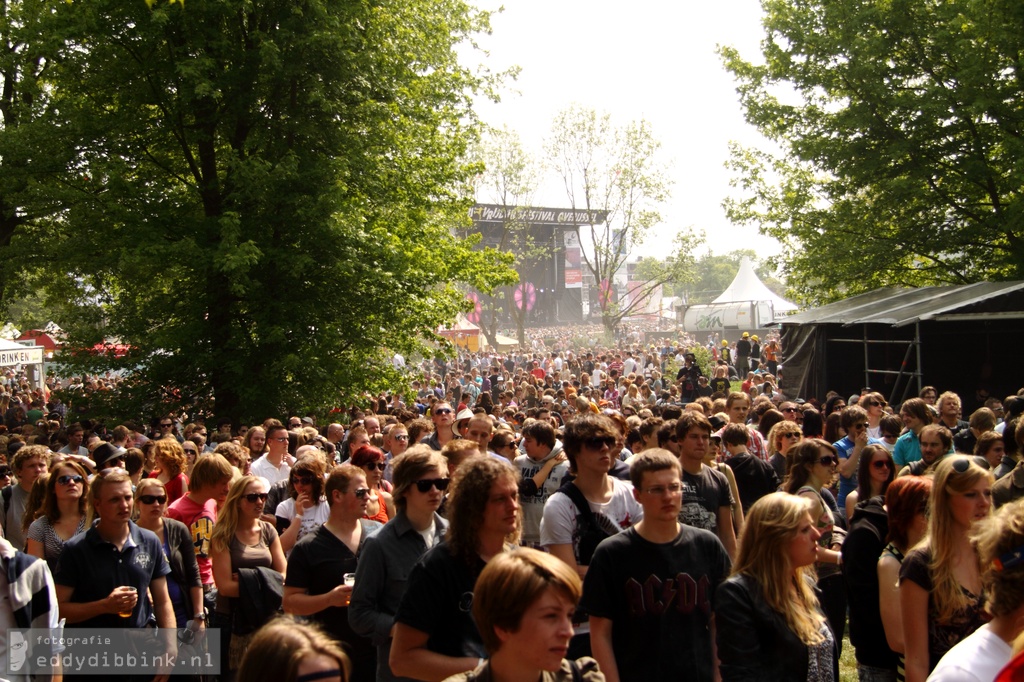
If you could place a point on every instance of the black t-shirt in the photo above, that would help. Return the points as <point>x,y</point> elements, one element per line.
<point>941,636</point>
<point>703,495</point>
<point>720,384</point>
<point>755,478</point>
<point>660,598</point>
<point>439,602</point>
<point>318,563</point>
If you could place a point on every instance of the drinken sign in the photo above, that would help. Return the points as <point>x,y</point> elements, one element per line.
<point>29,355</point>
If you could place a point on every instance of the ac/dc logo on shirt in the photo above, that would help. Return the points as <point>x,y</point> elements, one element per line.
<point>655,596</point>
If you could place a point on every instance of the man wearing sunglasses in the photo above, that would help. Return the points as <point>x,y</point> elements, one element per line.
<point>588,509</point>
<point>315,584</point>
<point>854,420</point>
<point>443,417</point>
<point>273,466</point>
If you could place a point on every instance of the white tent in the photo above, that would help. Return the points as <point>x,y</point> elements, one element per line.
<point>748,287</point>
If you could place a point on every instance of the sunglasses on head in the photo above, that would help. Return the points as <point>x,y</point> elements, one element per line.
<point>598,442</point>
<point>256,497</point>
<point>68,479</point>
<point>425,484</point>
<point>378,466</point>
<point>150,499</point>
<point>961,465</point>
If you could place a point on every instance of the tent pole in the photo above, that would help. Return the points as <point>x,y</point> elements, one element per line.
<point>917,342</point>
<point>867,379</point>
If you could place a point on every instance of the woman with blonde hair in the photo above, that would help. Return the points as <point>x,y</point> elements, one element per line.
<point>65,512</point>
<point>170,462</point>
<point>288,649</point>
<point>241,539</point>
<point>812,467</point>
<point>940,580</point>
<point>769,626</point>
<point>998,541</point>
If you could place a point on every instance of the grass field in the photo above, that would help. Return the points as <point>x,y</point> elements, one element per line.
<point>847,662</point>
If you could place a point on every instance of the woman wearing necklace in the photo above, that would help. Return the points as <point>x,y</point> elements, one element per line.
<point>65,512</point>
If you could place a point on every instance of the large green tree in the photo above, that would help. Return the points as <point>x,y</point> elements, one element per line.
<point>264,193</point>
<point>898,127</point>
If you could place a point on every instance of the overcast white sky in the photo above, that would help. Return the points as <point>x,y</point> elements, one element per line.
<point>649,59</point>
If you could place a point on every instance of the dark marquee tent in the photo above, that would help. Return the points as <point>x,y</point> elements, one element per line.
<point>968,339</point>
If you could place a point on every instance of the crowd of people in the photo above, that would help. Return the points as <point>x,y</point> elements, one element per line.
<point>557,514</point>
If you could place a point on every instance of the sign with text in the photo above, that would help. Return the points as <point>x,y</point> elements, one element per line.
<point>29,355</point>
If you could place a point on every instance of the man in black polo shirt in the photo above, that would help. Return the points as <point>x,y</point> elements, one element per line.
<point>315,585</point>
<point>97,568</point>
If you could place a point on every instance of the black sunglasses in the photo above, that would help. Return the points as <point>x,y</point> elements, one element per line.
<point>68,479</point>
<point>256,497</point>
<point>598,442</point>
<point>443,410</point>
<point>150,499</point>
<point>425,484</point>
<point>828,460</point>
<point>379,466</point>
<point>961,465</point>
<point>304,480</point>
<point>5,471</point>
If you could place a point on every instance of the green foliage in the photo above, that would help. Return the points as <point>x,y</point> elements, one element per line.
<point>899,129</point>
<point>264,195</point>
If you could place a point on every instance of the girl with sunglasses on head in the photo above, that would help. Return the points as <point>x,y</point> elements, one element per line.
<point>241,539</point>
<point>306,508</point>
<point>64,513</point>
<point>941,591</point>
<point>387,558</point>
<point>813,465</point>
<point>373,461</point>
<point>184,585</point>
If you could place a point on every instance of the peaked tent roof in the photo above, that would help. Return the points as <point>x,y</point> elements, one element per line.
<point>747,286</point>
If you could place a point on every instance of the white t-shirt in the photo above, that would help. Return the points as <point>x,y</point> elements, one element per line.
<point>269,472</point>
<point>978,658</point>
<point>312,518</point>
<point>558,525</point>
